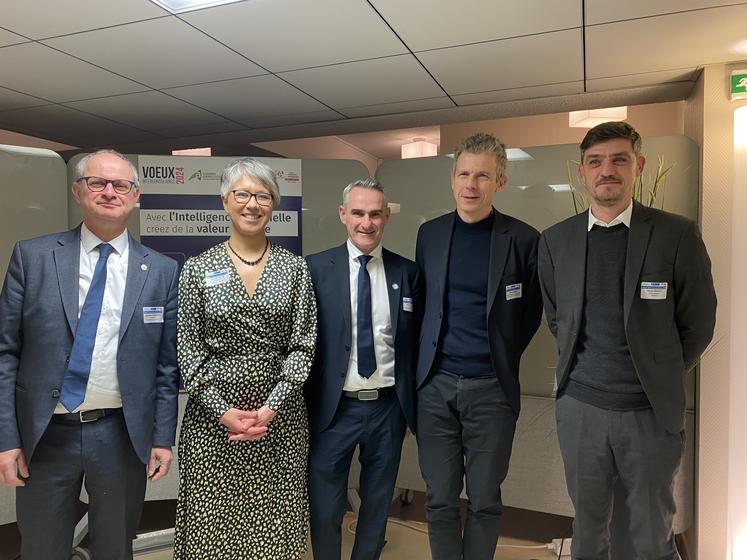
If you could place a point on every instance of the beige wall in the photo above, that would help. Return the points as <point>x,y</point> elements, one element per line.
<point>722,415</point>
<point>658,119</point>
<point>326,147</point>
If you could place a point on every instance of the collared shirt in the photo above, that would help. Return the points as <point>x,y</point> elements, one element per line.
<point>622,218</point>
<point>381,319</point>
<point>102,390</point>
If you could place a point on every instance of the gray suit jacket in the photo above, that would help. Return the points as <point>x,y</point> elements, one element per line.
<point>665,336</point>
<point>38,316</point>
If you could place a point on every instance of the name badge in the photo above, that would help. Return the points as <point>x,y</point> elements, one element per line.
<point>217,277</point>
<point>152,314</point>
<point>653,290</point>
<point>513,291</point>
<point>407,304</point>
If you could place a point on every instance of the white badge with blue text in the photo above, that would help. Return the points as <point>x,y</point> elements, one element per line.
<point>217,277</point>
<point>513,291</point>
<point>653,290</point>
<point>407,304</point>
<point>152,314</point>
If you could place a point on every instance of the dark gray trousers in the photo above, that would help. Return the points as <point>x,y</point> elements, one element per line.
<point>603,447</point>
<point>101,453</point>
<point>465,428</point>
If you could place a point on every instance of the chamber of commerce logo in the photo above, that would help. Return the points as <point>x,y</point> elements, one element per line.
<point>163,174</point>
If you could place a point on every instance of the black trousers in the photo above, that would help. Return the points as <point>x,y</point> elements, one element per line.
<point>377,428</point>
<point>98,454</point>
<point>604,448</point>
<point>465,431</point>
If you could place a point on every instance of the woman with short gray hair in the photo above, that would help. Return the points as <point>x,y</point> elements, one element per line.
<point>246,332</point>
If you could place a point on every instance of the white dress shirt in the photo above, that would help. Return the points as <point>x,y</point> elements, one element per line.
<point>622,218</point>
<point>380,318</point>
<point>102,390</point>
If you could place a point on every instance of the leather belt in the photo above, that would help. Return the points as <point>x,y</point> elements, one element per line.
<point>369,394</point>
<point>85,416</point>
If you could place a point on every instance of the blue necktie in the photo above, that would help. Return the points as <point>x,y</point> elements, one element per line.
<point>366,355</point>
<point>76,377</point>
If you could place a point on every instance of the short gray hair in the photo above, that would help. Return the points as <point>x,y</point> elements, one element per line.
<point>372,184</point>
<point>483,143</point>
<point>80,167</point>
<point>252,169</point>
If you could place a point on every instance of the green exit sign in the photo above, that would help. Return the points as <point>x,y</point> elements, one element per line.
<point>739,84</point>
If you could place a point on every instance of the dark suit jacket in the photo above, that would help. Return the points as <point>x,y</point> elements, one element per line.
<point>331,278</point>
<point>665,336</point>
<point>512,323</point>
<point>38,317</point>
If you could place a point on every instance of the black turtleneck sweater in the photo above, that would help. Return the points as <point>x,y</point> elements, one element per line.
<point>464,347</point>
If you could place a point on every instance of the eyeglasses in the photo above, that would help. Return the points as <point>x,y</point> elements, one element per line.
<point>98,184</point>
<point>243,197</point>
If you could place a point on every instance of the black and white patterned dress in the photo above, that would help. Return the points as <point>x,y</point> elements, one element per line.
<point>244,500</point>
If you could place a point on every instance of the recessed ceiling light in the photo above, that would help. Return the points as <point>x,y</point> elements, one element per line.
<point>181,6</point>
<point>563,187</point>
<point>590,119</point>
<point>517,154</point>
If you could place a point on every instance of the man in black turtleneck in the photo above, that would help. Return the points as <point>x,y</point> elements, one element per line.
<point>629,296</point>
<point>482,308</point>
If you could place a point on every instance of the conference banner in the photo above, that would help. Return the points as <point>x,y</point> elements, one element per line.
<point>181,212</point>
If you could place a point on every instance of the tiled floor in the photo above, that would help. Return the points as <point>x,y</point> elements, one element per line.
<point>407,540</point>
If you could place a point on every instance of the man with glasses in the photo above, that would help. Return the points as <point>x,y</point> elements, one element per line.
<point>88,373</point>
<point>361,390</point>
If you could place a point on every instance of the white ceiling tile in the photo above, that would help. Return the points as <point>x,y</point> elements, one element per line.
<point>161,53</point>
<point>41,18</point>
<point>10,99</point>
<point>602,11</point>
<point>369,82</point>
<point>510,63</point>
<point>535,92</point>
<point>249,98</point>
<point>298,118</point>
<point>640,80</point>
<point>666,42</point>
<point>424,24</point>
<point>401,107</point>
<point>149,110</point>
<point>56,122</point>
<point>289,35</point>
<point>200,129</point>
<point>38,70</point>
<point>8,38</point>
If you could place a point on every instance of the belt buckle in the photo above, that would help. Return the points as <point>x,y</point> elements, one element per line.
<point>368,394</point>
<point>93,415</point>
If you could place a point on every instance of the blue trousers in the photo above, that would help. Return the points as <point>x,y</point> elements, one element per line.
<point>378,429</point>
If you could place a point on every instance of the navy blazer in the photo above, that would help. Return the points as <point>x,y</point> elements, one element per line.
<point>330,274</point>
<point>511,323</point>
<point>38,317</point>
<point>665,336</point>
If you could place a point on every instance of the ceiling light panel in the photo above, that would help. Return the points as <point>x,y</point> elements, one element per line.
<point>181,6</point>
